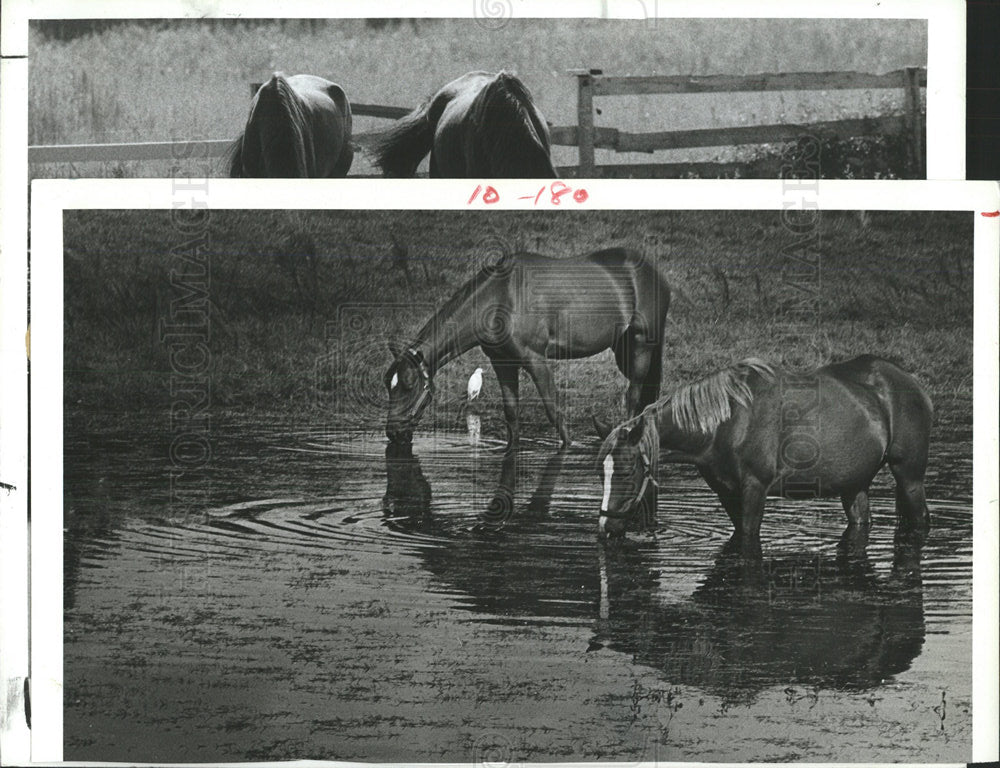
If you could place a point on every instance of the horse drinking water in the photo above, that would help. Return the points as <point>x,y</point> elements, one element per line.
<point>527,311</point>
<point>299,127</point>
<point>753,431</point>
<point>480,125</point>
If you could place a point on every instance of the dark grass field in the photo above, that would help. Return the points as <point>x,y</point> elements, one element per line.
<point>301,304</point>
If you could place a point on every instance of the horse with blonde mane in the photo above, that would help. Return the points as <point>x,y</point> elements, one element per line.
<point>753,431</point>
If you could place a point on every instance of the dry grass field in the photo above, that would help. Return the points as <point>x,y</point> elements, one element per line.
<point>189,79</point>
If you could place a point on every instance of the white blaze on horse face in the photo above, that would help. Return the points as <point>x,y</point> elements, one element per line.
<point>395,381</point>
<point>609,470</point>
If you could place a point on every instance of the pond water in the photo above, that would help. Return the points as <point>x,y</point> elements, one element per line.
<point>329,597</point>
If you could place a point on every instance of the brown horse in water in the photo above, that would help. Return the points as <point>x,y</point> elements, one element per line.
<point>299,127</point>
<point>480,125</point>
<point>752,431</point>
<point>526,311</point>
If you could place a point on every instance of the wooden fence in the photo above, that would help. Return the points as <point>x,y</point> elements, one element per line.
<point>168,150</point>
<point>593,83</point>
<point>587,137</point>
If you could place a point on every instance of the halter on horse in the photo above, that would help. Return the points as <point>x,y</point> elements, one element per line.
<point>529,311</point>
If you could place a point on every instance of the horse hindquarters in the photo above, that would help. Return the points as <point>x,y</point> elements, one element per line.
<point>506,135</point>
<point>345,157</point>
<point>273,142</point>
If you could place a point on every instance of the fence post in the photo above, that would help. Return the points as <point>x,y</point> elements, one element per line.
<point>585,119</point>
<point>913,119</point>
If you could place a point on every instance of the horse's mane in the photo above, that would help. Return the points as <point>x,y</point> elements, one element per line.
<point>703,405</point>
<point>649,444</point>
<point>700,406</point>
<point>511,135</point>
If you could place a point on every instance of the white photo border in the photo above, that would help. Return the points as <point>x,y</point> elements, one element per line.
<point>945,159</point>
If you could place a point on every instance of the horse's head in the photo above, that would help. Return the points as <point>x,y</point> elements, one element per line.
<point>627,463</point>
<point>410,387</point>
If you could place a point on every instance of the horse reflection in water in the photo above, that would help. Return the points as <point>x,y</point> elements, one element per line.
<point>756,623</point>
<point>751,624</point>
<point>407,491</point>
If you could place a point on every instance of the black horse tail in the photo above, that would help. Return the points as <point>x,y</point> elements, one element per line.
<point>512,138</point>
<point>273,143</point>
<point>398,151</point>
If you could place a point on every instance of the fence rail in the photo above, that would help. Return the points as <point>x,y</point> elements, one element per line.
<point>772,81</point>
<point>147,150</point>
<point>593,83</point>
<point>588,137</point>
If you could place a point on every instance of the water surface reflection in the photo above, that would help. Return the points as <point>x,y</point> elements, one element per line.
<point>748,625</point>
<point>335,598</point>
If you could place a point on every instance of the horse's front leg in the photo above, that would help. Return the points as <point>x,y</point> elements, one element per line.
<point>753,493</point>
<point>540,371</point>
<point>507,376</point>
<point>732,501</point>
<point>857,509</point>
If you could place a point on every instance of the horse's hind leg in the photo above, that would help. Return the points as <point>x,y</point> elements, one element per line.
<point>540,371</point>
<point>507,376</point>
<point>622,349</point>
<point>650,387</point>
<point>857,508</point>
<point>639,363</point>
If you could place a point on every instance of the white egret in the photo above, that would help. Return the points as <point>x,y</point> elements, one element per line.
<point>475,384</point>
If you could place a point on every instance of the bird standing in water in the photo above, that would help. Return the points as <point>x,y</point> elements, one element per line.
<point>472,419</point>
<point>475,384</point>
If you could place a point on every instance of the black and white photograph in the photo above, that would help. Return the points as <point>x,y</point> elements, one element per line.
<point>497,383</point>
<point>514,486</point>
<point>488,96</point>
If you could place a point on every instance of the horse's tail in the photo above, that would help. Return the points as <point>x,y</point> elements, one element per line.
<point>398,151</point>
<point>273,143</point>
<point>512,138</point>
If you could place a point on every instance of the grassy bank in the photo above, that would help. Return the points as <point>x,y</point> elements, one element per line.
<point>189,79</point>
<point>301,305</point>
